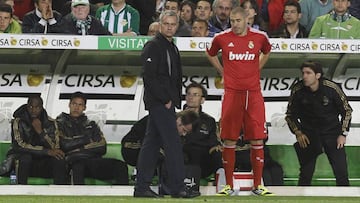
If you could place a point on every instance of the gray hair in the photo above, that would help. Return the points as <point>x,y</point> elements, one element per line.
<point>234,3</point>
<point>168,13</point>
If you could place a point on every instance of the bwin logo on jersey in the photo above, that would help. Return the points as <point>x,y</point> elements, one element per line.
<point>241,57</point>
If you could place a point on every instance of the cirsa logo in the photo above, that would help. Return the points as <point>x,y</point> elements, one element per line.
<point>192,44</point>
<point>13,41</point>
<point>34,80</point>
<point>127,81</point>
<point>76,42</point>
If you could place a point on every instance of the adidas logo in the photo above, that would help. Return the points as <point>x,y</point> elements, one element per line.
<point>148,59</point>
<point>230,44</point>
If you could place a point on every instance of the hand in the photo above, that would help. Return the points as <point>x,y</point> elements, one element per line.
<point>168,105</point>
<point>36,123</point>
<point>47,13</point>
<point>303,140</point>
<point>217,148</point>
<point>341,140</point>
<point>57,153</point>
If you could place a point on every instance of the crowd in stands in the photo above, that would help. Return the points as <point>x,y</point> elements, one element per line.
<point>278,18</point>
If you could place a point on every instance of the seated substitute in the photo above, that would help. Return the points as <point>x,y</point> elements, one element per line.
<point>201,146</point>
<point>84,145</point>
<point>35,144</point>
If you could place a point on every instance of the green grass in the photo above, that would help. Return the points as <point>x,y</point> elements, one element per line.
<point>202,199</point>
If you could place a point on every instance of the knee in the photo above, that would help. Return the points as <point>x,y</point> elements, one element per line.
<point>229,143</point>
<point>24,158</point>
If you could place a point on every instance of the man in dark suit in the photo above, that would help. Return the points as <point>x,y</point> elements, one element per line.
<point>162,81</point>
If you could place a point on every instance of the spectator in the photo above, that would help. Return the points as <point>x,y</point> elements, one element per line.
<point>319,115</point>
<point>21,7</point>
<point>254,16</point>
<point>35,144</point>
<point>275,10</point>
<point>99,3</point>
<point>11,3</point>
<point>147,12</point>
<point>184,29</point>
<point>354,9</point>
<point>154,28</point>
<point>84,145</point>
<point>201,146</point>
<point>203,11</point>
<point>79,22</point>
<point>42,19</point>
<point>199,28</point>
<point>187,11</point>
<point>311,9</point>
<point>221,16</point>
<point>119,18</point>
<point>7,23</point>
<point>338,24</point>
<point>66,9</point>
<point>291,28</point>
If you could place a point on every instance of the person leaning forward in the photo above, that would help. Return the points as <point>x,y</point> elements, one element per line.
<point>313,111</point>
<point>35,144</point>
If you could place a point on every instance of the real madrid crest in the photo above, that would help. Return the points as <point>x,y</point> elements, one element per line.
<point>251,44</point>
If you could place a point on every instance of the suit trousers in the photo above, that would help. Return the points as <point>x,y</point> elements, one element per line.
<point>161,132</point>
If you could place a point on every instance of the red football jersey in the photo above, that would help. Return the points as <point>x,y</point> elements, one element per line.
<point>240,57</point>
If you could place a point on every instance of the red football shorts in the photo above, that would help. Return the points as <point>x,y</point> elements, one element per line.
<point>245,111</point>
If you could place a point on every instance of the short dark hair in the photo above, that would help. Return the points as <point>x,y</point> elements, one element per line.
<point>202,21</point>
<point>197,85</point>
<point>37,1</point>
<point>6,8</point>
<point>189,117</point>
<point>78,95</point>
<point>35,97</point>
<point>294,3</point>
<point>315,66</point>
<point>209,1</point>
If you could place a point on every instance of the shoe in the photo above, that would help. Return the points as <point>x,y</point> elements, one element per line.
<point>226,191</point>
<point>262,191</point>
<point>146,193</point>
<point>186,194</point>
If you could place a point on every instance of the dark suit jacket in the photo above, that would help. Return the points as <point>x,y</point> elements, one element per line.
<point>160,86</point>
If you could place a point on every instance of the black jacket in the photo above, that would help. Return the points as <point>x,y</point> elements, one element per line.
<point>282,32</point>
<point>213,21</point>
<point>31,23</point>
<point>317,113</point>
<point>204,135</point>
<point>26,140</point>
<point>80,138</point>
<point>96,28</point>
<point>160,86</point>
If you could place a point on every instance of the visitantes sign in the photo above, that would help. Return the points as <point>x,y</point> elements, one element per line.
<point>183,43</point>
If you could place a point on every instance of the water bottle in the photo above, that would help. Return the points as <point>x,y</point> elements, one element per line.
<point>13,178</point>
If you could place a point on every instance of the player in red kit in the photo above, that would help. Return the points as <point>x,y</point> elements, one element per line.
<point>244,53</point>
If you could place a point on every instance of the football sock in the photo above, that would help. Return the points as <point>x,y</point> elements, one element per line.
<point>257,163</point>
<point>228,156</point>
